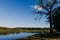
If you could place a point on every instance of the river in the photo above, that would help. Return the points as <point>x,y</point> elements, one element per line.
<point>15,36</point>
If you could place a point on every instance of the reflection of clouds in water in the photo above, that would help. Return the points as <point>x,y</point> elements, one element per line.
<point>15,36</point>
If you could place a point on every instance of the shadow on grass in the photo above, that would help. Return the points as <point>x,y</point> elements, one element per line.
<point>48,35</point>
<point>42,36</point>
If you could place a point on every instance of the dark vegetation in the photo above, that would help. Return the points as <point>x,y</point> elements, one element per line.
<point>56,19</point>
<point>33,28</point>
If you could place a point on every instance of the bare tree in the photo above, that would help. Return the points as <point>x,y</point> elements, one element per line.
<point>47,7</point>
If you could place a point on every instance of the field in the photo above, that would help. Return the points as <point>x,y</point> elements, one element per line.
<point>4,30</point>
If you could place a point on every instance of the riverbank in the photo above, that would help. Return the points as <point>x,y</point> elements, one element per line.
<point>4,30</point>
<point>55,36</point>
<point>40,36</point>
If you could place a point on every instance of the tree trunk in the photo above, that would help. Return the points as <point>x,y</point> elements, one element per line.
<point>51,31</point>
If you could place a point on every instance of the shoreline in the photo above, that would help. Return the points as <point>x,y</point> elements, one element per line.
<point>38,37</point>
<point>18,30</point>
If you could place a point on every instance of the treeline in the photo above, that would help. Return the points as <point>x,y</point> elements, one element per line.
<point>33,28</point>
<point>26,28</point>
<point>4,28</point>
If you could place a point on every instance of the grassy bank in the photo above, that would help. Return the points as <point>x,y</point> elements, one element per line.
<point>54,36</point>
<point>4,30</point>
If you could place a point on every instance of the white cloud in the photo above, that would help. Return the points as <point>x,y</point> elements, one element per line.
<point>37,7</point>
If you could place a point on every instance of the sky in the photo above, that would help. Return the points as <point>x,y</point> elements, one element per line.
<point>19,13</point>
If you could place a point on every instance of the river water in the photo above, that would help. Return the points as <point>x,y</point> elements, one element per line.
<point>15,36</point>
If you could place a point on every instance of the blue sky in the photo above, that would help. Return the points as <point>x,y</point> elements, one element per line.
<point>18,13</point>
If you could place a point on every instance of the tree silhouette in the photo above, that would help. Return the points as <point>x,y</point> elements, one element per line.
<point>56,19</point>
<point>47,7</point>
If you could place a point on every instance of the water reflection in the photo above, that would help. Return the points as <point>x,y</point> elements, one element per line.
<point>15,36</point>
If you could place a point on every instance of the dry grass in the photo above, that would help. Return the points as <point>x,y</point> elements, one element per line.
<point>7,31</point>
<point>18,30</point>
